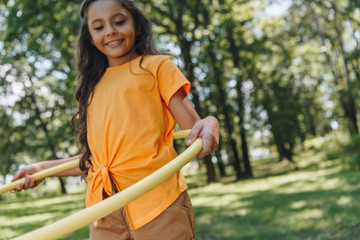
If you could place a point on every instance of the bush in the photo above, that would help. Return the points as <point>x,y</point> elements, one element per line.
<point>334,145</point>
<point>353,148</point>
<point>354,145</point>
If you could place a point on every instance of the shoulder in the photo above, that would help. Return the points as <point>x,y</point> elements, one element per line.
<point>159,65</point>
<point>155,61</point>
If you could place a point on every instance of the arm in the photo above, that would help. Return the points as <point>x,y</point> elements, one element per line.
<point>185,115</point>
<point>29,181</point>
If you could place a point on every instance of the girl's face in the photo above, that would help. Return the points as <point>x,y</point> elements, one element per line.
<point>112,31</point>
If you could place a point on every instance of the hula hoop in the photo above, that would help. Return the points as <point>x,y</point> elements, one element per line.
<point>86,216</point>
<point>67,166</point>
<point>40,175</point>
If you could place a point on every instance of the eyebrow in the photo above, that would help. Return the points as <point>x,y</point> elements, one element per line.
<point>113,16</point>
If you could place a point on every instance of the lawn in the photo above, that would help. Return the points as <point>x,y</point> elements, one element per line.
<point>318,201</point>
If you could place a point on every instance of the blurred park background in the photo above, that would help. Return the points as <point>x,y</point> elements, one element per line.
<point>281,76</point>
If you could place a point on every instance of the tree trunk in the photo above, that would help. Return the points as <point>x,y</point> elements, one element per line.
<point>62,185</point>
<point>284,151</point>
<point>185,49</point>
<point>235,50</point>
<point>220,163</point>
<point>185,46</point>
<point>225,111</point>
<point>175,14</point>
<point>311,118</point>
<point>351,105</point>
<point>355,64</point>
<point>244,145</point>
<point>245,151</point>
<point>346,100</point>
<point>280,146</point>
<point>47,134</point>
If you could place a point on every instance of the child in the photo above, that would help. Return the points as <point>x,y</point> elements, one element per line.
<point>129,98</point>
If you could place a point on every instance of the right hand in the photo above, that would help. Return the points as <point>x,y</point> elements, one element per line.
<point>29,181</point>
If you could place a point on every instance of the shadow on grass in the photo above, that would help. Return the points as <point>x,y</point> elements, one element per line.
<point>269,215</point>
<point>20,216</point>
<point>318,202</point>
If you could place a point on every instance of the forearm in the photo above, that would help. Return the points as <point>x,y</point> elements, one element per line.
<point>72,172</point>
<point>207,129</point>
<point>52,163</point>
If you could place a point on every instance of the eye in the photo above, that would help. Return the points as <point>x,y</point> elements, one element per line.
<point>98,28</point>
<point>120,22</point>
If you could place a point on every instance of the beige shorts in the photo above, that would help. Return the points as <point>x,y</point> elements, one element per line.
<point>175,223</point>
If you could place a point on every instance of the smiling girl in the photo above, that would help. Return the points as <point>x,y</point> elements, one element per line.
<point>130,98</point>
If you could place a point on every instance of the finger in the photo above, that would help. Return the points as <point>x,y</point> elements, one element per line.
<point>32,182</point>
<point>194,134</point>
<point>215,146</point>
<point>210,144</point>
<point>202,154</point>
<point>20,187</point>
<point>18,175</point>
<point>26,183</point>
<point>207,144</point>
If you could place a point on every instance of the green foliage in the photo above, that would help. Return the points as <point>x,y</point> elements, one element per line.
<point>334,145</point>
<point>354,145</point>
<point>38,74</point>
<point>284,78</point>
<point>328,23</point>
<point>353,148</point>
<point>340,145</point>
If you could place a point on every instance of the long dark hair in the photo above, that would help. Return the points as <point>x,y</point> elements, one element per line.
<point>92,65</point>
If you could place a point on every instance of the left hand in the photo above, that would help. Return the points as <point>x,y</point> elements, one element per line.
<point>208,130</point>
<point>29,181</point>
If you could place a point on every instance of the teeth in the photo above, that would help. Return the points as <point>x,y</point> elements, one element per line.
<point>113,43</point>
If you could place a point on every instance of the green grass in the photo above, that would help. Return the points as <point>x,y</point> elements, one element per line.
<point>321,200</point>
<point>318,201</point>
<point>19,216</point>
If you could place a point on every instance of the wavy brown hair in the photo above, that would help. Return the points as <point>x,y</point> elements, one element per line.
<point>92,65</point>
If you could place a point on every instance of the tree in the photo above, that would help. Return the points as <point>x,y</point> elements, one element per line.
<point>327,23</point>
<point>182,20</point>
<point>37,52</point>
<point>275,90</point>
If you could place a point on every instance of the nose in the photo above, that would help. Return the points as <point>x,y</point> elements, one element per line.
<point>111,32</point>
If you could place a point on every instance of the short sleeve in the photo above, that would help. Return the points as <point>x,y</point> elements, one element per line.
<point>170,80</point>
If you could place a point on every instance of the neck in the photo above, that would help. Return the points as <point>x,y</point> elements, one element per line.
<point>127,57</point>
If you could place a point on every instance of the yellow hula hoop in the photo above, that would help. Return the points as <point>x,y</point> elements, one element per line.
<point>67,166</point>
<point>40,175</point>
<point>86,216</point>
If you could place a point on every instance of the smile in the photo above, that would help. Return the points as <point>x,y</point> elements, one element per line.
<point>114,43</point>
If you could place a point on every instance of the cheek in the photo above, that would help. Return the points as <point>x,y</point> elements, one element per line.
<point>94,38</point>
<point>130,30</point>
<point>91,36</point>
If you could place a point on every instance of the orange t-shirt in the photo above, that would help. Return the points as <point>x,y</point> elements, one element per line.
<point>129,131</point>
